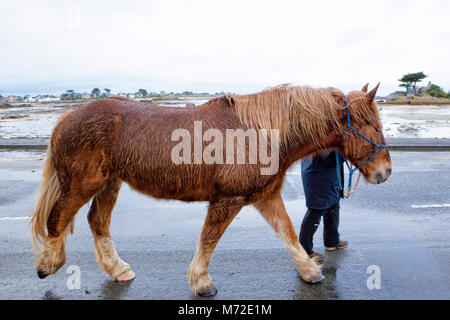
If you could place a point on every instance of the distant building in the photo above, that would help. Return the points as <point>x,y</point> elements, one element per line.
<point>29,98</point>
<point>11,99</point>
<point>85,95</point>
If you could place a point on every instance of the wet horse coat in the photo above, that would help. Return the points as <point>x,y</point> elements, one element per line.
<point>100,145</point>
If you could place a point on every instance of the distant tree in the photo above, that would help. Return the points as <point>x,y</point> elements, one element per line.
<point>68,95</point>
<point>436,91</point>
<point>96,92</point>
<point>410,80</point>
<point>107,91</point>
<point>143,92</point>
<point>407,86</point>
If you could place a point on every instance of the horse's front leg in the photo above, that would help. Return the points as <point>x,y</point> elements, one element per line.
<point>275,214</point>
<point>220,214</point>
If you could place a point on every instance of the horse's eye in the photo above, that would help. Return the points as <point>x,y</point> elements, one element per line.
<point>377,129</point>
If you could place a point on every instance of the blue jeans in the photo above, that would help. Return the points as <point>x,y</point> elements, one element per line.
<point>311,222</point>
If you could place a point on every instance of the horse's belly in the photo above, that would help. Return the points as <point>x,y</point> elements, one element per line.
<point>171,187</point>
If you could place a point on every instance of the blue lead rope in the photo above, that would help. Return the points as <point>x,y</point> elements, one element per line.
<point>338,162</point>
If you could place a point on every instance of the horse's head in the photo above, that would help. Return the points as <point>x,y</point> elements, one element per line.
<point>365,121</point>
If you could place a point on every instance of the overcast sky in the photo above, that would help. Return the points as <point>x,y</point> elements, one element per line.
<point>238,46</point>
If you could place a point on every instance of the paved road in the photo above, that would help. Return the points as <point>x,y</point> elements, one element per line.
<point>390,227</point>
<point>397,144</point>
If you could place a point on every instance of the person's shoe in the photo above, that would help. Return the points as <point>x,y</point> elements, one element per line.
<point>341,245</point>
<point>316,256</point>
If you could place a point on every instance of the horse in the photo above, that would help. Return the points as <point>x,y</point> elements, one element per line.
<point>97,147</point>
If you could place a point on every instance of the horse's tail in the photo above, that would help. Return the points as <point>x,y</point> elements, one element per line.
<point>48,195</point>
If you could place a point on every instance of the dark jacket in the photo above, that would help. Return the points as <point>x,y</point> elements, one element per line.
<point>320,181</point>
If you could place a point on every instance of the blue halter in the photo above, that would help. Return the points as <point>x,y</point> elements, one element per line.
<point>338,164</point>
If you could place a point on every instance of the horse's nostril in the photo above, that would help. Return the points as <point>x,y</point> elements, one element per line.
<point>379,177</point>
<point>388,172</point>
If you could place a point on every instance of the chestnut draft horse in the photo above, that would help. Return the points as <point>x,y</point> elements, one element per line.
<point>98,146</point>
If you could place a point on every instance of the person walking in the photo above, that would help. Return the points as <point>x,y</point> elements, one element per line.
<point>322,193</point>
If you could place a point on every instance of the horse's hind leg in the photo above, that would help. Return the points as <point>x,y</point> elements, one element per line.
<point>220,214</point>
<point>100,219</point>
<point>60,222</point>
<point>275,214</point>
<point>81,175</point>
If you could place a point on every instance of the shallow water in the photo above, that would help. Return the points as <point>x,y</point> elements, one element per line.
<point>416,122</point>
<point>398,121</point>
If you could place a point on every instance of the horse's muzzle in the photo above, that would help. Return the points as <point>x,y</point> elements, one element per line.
<point>380,176</point>
<point>41,274</point>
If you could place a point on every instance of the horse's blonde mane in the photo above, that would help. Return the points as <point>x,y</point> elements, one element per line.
<point>302,113</point>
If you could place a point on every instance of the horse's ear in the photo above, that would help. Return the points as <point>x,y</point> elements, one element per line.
<point>364,89</point>
<point>371,95</point>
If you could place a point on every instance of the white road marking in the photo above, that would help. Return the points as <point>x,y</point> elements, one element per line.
<point>14,218</point>
<point>444,205</point>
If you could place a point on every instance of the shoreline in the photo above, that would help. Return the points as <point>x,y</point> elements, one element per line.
<point>411,103</point>
<point>80,102</point>
<point>76,103</point>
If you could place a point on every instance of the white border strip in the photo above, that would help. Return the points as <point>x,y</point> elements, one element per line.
<point>444,205</point>
<point>13,218</point>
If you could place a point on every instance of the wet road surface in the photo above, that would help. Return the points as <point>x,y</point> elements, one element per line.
<point>400,228</point>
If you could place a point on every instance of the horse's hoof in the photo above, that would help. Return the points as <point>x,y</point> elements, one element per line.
<point>211,292</point>
<point>41,274</point>
<point>126,276</point>
<point>318,278</point>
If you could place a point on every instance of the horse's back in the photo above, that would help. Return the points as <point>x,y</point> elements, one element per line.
<point>134,141</point>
